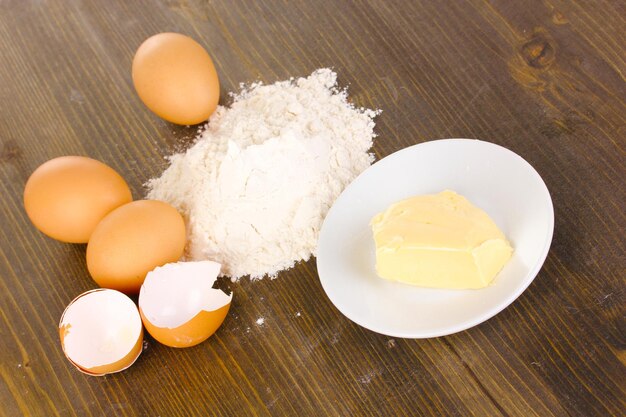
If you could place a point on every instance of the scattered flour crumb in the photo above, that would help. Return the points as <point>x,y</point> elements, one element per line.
<point>260,321</point>
<point>367,377</point>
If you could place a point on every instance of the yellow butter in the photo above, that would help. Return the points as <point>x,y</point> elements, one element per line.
<point>440,241</point>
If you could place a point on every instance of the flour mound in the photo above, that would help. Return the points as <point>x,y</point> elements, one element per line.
<point>262,174</point>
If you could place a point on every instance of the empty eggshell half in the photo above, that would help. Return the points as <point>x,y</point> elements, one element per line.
<point>101,332</point>
<point>178,304</point>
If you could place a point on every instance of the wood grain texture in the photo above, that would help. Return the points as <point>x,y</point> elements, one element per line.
<point>543,78</point>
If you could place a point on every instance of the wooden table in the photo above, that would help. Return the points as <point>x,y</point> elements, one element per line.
<point>543,78</point>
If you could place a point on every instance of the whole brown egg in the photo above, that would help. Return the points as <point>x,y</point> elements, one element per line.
<point>131,241</point>
<point>66,197</point>
<point>175,78</point>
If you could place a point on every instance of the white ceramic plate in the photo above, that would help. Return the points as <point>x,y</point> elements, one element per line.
<point>491,177</point>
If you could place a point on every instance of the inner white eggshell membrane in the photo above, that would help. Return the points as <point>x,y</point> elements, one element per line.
<point>174,293</point>
<point>103,326</point>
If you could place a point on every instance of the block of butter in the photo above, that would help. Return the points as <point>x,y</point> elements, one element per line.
<point>439,241</point>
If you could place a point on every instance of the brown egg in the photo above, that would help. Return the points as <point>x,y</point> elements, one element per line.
<point>175,78</point>
<point>131,241</point>
<point>66,197</point>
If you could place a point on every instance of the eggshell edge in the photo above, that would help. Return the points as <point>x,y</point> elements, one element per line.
<point>188,335</point>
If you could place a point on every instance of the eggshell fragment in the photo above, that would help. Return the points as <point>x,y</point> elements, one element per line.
<point>101,332</point>
<point>178,305</point>
<point>131,241</point>
<point>66,197</point>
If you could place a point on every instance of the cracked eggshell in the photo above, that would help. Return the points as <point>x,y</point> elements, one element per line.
<point>101,332</point>
<point>179,306</point>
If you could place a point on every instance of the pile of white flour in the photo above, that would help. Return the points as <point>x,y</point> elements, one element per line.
<point>257,183</point>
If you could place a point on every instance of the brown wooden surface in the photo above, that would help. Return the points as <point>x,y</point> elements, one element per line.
<point>543,78</point>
